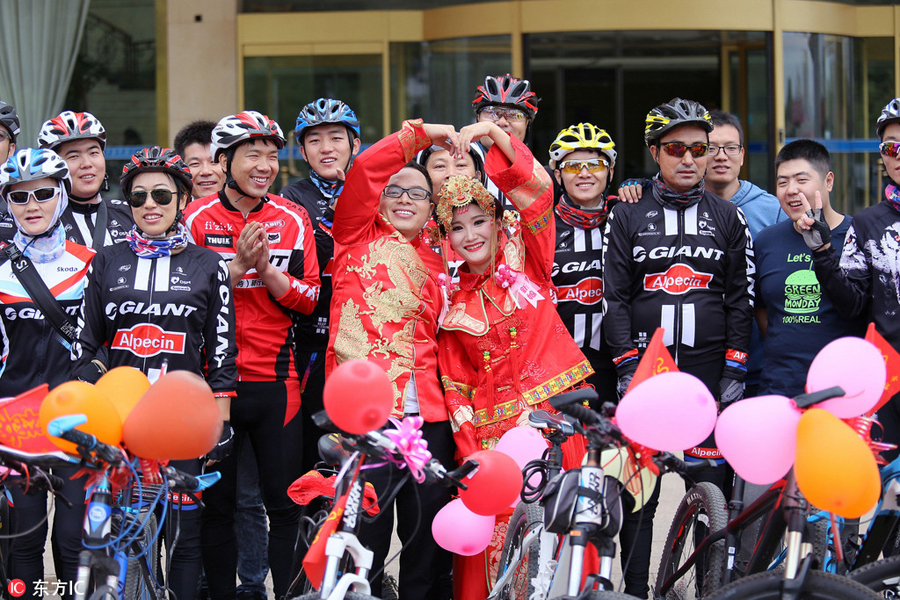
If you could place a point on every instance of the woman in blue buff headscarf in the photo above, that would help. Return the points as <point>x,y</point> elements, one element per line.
<point>36,186</point>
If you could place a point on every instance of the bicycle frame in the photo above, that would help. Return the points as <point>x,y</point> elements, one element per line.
<point>343,541</point>
<point>592,521</point>
<point>786,509</point>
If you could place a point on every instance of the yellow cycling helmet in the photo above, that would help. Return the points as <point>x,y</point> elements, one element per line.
<point>583,136</point>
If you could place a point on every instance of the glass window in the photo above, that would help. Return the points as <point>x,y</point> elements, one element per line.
<point>281,86</point>
<point>613,78</point>
<point>115,78</point>
<point>858,74</point>
<point>437,80</point>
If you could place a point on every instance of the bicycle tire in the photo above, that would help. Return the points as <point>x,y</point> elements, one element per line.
<point>610,596</point>
<point>880,576</point>
<point>818,586</point>
<point>521,586</point>
<point>347,596</point>
<point>136,587</point>
<point>701,511</point>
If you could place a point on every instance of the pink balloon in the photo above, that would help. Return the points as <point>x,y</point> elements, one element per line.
<point>758,437</point>
<point>672,411</point>
<point>523,444</point>
<point>853,364</point>
<point>457,529</point>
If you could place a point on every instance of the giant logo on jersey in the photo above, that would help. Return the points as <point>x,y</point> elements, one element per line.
<point>678,279</point>
<point>149,340</point>
<point>588,291</point>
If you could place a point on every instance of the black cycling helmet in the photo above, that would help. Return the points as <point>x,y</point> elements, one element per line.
<point>508,91</point>
<point>675,113</point>
<point>9,119</point>
<point>160,160</point>
<point>889,114</point>
<point>326,110</point>
<point>155,158</point>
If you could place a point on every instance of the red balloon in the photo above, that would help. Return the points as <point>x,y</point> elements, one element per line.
<point>177,418</point>
<point>494,484</point>
<point>358,396</point>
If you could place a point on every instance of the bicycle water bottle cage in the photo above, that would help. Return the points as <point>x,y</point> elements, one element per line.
<point>541,419</point>
<point>332,450</point>
<point>559,501</point>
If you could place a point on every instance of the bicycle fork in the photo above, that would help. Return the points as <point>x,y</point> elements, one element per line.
<point>96,534</point>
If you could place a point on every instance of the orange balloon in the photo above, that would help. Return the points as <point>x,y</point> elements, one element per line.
<point>78,397</point>
<point>835,468</point>
<point>176,419</point>
<point>124,386</point>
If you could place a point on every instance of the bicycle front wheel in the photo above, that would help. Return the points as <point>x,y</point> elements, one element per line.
<point>610,596</point>
<point>525,518</point>
<point>818,586</point>
<point>882,576</point>
<point>701,512</point>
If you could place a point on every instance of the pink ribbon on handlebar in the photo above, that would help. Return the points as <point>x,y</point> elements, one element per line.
<point>408,438</point>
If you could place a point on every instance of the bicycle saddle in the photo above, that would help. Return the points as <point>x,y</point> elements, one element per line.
<point>541,419</point>
<point>332,451</point>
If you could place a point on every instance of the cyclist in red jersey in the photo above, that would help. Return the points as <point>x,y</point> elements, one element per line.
<point>269,244</point>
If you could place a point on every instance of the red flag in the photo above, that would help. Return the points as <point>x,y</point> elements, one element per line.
<point>656,360</point>
<point>891,360</point>
<point>315,560</point>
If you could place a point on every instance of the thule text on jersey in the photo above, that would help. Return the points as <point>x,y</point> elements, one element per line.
<point>148,340</point>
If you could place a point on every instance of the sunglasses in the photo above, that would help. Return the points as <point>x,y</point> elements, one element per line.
<point>891,149</point>
<point>593,165</point>
<point>162,197</point>
<point>678,149</point>
<point>495,113</point>
<point>416,193</point>
<point>40,195</point>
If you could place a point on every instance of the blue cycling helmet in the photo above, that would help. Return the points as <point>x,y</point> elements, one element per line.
<point>325,110</point>
<point>31,164</point>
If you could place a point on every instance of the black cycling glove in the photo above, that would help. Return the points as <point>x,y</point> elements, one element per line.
<point>625,371</point>
<point>225,445</point>
<point>91,372</point>
<point>819,233</point>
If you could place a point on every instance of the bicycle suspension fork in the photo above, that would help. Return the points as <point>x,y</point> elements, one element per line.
<point>589,513</point>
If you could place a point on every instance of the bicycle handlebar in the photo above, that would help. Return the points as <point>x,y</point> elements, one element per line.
<point>88,445</point>
<point>667,461</point>
<point>807,400</point>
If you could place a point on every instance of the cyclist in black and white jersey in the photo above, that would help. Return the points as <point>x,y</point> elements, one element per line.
<point>80,139</point>
<point>681,258</point>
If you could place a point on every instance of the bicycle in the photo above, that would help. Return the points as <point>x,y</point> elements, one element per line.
<point>120,528</point>
<point>30,472</point>
<point>347,561</point>
<point>700,555</point>
<point>543,554</point>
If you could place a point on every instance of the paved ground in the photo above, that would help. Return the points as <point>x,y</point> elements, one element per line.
<point>670,496</point>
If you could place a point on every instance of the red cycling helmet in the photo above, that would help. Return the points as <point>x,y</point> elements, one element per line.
<point>508,91</point>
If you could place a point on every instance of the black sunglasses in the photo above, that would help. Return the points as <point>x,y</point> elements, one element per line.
<point>162,197</point>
